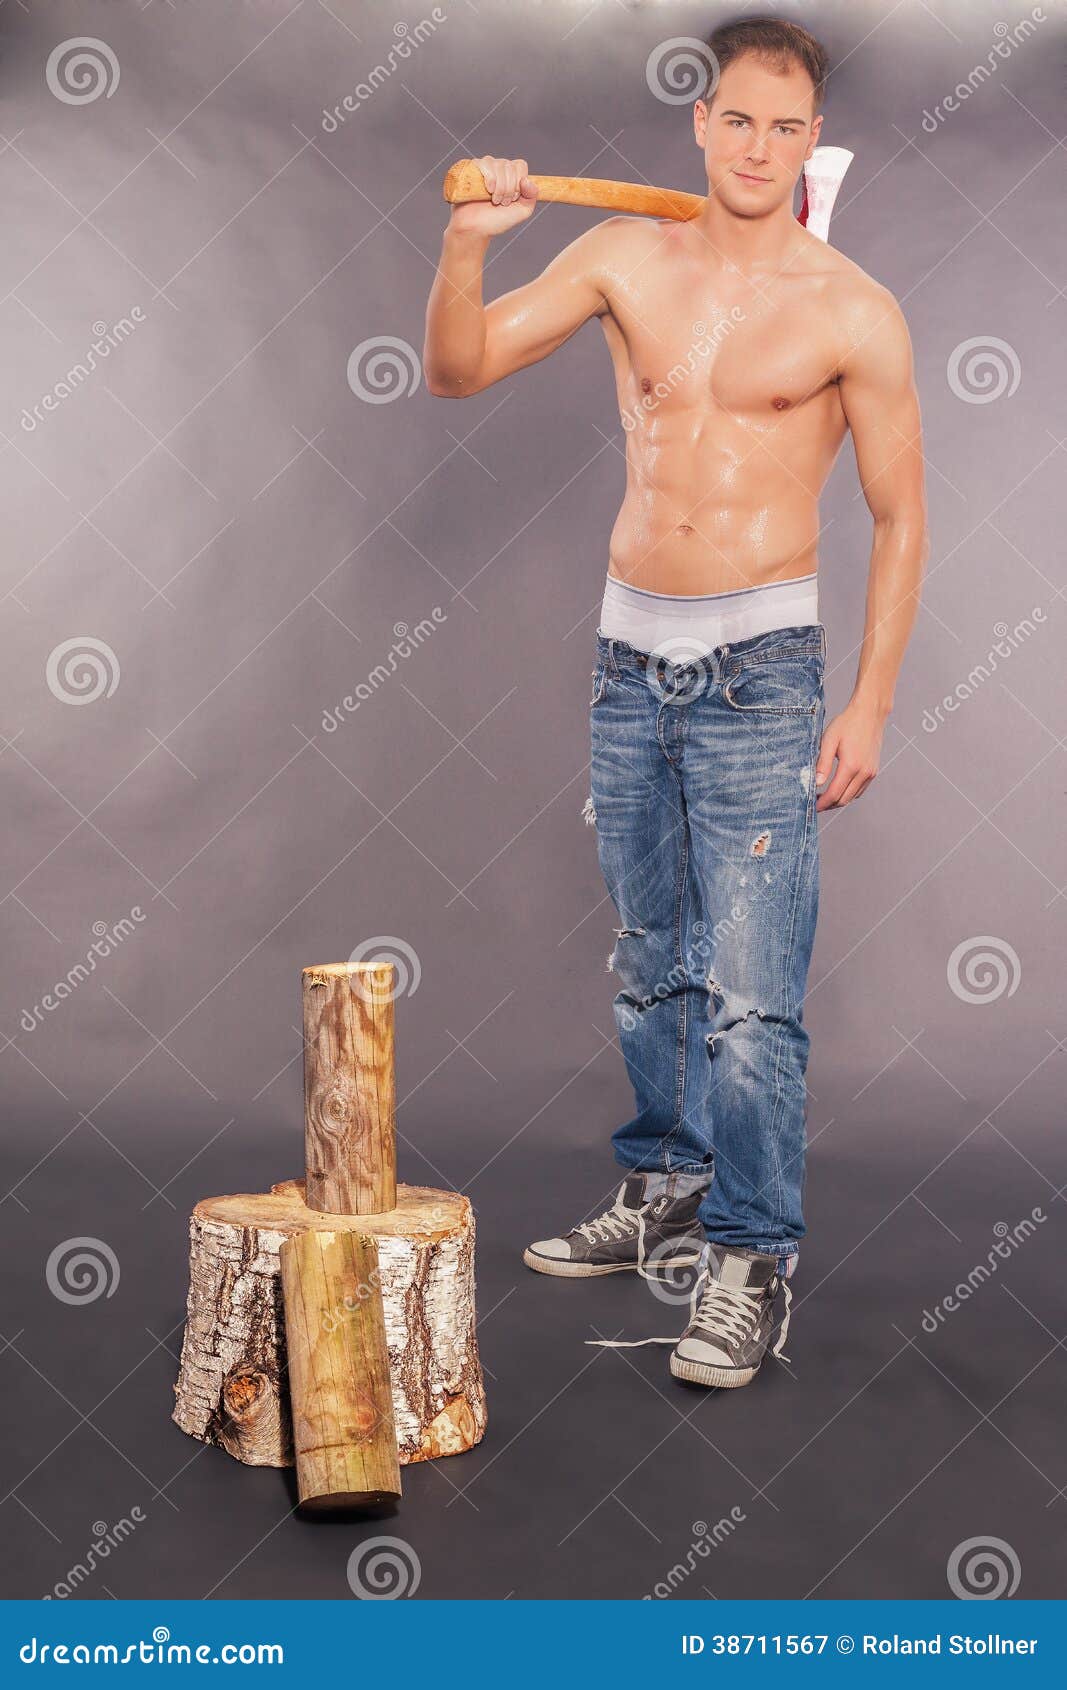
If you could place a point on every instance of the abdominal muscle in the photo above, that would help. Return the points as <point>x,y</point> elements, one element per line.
<point>721,492</point>
<point>710,516</point>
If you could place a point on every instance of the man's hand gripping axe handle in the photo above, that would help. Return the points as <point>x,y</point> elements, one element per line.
<point>823,174</point>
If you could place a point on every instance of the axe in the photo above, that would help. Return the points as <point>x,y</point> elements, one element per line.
<point>824,172</point>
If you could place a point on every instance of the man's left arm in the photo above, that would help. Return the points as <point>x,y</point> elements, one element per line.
<point>877,387</point>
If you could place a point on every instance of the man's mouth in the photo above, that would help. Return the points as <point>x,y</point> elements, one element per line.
<point>746,176</point>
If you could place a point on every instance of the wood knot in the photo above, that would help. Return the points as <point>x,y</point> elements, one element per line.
<point>241,1392</point>
<point>334,1104</point>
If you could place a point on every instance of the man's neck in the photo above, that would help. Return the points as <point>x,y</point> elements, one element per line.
<point>751,245</point>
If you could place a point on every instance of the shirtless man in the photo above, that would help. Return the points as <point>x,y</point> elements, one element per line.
<point>744,348</point>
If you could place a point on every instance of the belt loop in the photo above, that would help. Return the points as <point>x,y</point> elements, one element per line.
<point>613,670</point>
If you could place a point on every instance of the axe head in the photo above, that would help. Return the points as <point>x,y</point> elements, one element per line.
<point>824,173</point>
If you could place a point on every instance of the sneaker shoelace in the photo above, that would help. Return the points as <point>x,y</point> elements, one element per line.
<point>726,1310</point>
<point>731,1312</point>
<point>617,1222</point>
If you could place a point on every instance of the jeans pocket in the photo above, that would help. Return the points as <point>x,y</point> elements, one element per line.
<point>778,686</point>
<point>600,681</point>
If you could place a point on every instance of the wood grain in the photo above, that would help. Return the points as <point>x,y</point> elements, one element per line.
<point>464,182</point>
<point>340,1394</point>
<point>349,1087</point>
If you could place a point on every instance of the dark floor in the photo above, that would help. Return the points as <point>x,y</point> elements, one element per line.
<point>856,1473</point>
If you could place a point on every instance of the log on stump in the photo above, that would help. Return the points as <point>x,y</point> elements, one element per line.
<point>349,1087</point>
<point>232,1386</point>
<point>339,1379</point>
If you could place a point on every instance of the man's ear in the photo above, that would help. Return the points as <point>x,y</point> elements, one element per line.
<point>700,123</point>
<point>813,143</point>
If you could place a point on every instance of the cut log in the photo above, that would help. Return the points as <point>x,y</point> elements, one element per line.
<point>349,1087</point>
<point>339,1385</point>
<point>232,1386</point>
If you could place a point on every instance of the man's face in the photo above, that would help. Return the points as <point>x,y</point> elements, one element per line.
<point>756,134</point>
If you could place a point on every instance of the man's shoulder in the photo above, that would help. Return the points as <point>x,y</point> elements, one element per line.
<point>851,290</point>
<point>609,249</point>
<point>868,329</point>
<point>625,233</point>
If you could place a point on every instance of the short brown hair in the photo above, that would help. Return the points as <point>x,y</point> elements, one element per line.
<point>780,44</point>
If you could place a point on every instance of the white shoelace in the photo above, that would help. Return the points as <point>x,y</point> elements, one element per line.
<point>726,1309</point>
<point>617,1222</point>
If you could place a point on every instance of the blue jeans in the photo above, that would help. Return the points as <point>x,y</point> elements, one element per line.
<point>703,796</point>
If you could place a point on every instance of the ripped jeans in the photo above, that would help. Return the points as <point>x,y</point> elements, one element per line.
<point>703,796</point>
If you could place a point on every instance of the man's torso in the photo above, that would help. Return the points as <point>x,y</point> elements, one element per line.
<point>728,392</point>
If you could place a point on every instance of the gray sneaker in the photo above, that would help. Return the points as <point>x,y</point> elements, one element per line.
<point>732,1319</point>
<point>653,1237</point>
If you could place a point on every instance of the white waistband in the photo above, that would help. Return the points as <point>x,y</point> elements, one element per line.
<point>688,625</point>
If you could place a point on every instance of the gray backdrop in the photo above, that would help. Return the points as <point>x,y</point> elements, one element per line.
<point>225,520</point>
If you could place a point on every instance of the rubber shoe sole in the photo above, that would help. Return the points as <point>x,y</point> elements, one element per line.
<point>562,1269</point>
<point>703,1373</point>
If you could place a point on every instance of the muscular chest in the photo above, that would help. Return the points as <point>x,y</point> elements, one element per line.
<point>754,353</point>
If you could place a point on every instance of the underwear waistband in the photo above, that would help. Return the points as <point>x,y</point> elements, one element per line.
<point>688,625</point>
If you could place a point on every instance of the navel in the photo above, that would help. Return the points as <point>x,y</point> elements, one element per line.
<point>646,384</point>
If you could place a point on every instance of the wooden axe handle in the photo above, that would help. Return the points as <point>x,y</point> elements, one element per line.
<point>464,181</point>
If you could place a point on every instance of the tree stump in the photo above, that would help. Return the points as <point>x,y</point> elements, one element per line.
<point>232,1383</point>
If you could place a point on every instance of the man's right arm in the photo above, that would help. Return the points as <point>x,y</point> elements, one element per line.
<point>469,345</point>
